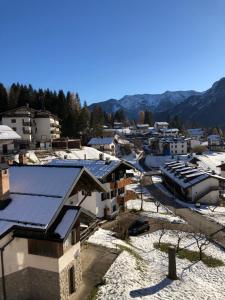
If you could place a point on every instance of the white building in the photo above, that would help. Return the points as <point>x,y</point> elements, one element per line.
<point>112,175</point>
<point>104,144</point>
<point>37,128</point>
<point>169,132</point>
<point>172,146</point>
<point>7,139</point>
<point>190,184</point>
<point>161,125</point>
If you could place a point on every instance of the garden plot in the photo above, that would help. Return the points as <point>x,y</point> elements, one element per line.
<point>149,209</point>
<point>140,271</point>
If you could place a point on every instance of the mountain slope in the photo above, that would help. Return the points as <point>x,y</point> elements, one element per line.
<point>132,104</point>
<point>207,109</point>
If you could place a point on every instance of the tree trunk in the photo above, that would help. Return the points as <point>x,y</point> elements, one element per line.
<point>172,270</point>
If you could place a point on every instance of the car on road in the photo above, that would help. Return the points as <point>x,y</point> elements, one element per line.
<point>139,226</point>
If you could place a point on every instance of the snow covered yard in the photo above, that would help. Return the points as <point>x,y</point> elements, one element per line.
<point>140,270</point>
<point>150,210</point>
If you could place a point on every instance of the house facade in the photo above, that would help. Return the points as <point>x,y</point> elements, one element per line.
<point>112,174</point>
<point>37,128</point>
<point>103,144</point>
<point>161,125</point>
<point>40,232</point>
<point>172,146</point>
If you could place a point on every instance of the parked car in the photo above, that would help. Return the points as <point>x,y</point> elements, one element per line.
<point>139,226</point>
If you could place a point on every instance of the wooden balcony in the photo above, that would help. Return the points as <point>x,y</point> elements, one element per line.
<point>120,183</point>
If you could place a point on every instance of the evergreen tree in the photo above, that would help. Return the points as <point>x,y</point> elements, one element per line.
<point>148,118</point>
<point>3,98</point>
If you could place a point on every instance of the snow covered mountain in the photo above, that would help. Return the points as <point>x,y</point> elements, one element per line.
<point>206,109</point>
<point>132,104</point>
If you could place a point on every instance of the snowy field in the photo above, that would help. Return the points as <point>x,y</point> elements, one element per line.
<point>150,210</point>
<point>215,214</point>
<point>143,275</point>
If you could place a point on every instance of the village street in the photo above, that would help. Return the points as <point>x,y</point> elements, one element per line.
<point>194,219</point>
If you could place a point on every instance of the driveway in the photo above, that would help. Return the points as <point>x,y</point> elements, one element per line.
<point>96,260</point>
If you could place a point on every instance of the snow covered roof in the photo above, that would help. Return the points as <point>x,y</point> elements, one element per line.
<point>162,123</point>
<point>169,130</point>
<point>98,168</point>
<point>184,178</point>
<point>7,133</point>
<point>67,221</point>
<point>214,137</point>
<point>42,180</point>
<point>142,125</point>
<point>101,141</point>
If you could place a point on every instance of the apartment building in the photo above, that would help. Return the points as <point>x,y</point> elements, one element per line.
<point>172,146</point>
<point>112,174</point>
<point>40,231</point>
<point>37,128</point>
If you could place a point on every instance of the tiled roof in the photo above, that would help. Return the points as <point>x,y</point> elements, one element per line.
<point>101,141</point>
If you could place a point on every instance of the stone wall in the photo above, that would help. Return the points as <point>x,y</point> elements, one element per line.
<point>64,278</point>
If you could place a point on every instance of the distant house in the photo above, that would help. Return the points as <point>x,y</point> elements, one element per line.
<point>117,125</point>
<point>7,139</point>
<point>169,132</point>
<point>104,144</point>
<point>172,146</point>
<point>37,128</point>
<point>189,183</point>
<point>143,128</point>
<point>196,133</point>
<point>161,125</point>
<point>215,143</point>
<point>40,231</point>
<point>112,174</point>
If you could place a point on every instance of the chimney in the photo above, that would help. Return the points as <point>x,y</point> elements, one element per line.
<point>4,182</point>
<point>107,161</point>
<point>101,156</point>
<point>22,159</point>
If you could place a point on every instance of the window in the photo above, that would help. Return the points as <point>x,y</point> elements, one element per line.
<point>121,191</point>
<point>113,177</point>
<point>84,193</point>
<point>113,193</point>
<point>114,208</point>
<point>104,196</point>
<point>14,128</point>
<point>71,276</point>
<point>13,120</point>
<point>176,151</point>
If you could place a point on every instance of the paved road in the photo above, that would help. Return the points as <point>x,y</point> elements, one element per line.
<point>197,221</point>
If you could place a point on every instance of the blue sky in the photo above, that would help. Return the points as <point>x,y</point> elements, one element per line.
<point>109,48</point>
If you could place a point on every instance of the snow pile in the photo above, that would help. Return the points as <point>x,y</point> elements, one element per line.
<point>150,210</point>
<point>152,161</point>
<point>143,276</point>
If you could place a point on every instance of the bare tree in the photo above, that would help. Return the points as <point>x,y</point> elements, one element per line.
<point>157,204</point>
<point>202,242</point>
<point>162,232</point>
<point>180,236</point>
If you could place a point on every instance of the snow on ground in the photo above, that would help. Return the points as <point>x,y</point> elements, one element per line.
<point>144,276</point>
<point>210,161</point>
<point>153,161</point>
<point>84,153</point>
<point>150,211</point>
<point>216,214</point>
